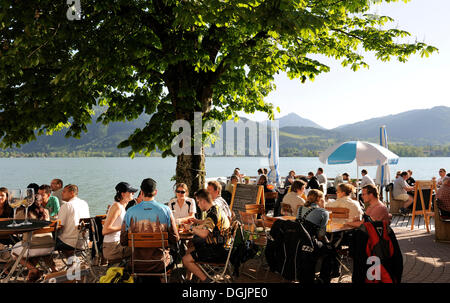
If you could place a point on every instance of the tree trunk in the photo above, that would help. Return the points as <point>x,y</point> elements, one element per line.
<point>191,170</point>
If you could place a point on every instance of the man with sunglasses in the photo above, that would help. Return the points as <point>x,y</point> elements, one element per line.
<point>442,173</point>
<point>182,207</point>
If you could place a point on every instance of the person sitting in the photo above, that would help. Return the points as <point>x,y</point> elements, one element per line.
<point>246,180</point>
<point>260,172</point>
<point>57,187</point>
<point>400,192</point>
<point>443,196</point>
<point>318,218</point>
<point>289,179</point>
<point>5,210</point>
<point>321,177</point>
<point>69,215</point>
<point>312,183</point>
<point>146,217</point>
<point>269,203</point>
<point>265,171</point>
<point>210,238</point>
<point>294,198</point>
<point>233,181</point>
<point>344,178</point>
<point>376,210</point>
<point>440,180</point>
<point>410,179</point>
<point>113,251</point>
<point>214,188</point>
<point>344,200</point>
<point>366,179</point>
<point>51,203</point>
<point>238,174</point>
<point>183,208</point>
<point>41,244</point>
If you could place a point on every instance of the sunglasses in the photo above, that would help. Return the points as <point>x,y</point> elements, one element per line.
<point>180,192</point>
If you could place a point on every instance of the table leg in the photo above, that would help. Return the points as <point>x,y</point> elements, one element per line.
<point>25,245</point>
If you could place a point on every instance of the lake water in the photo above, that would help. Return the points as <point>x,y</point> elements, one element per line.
<point>97,177</point>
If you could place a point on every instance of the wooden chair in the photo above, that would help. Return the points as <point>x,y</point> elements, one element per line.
<point>149,240</point>
<point>338,212</point>
<point>65,277</point>
<point>441,225</point>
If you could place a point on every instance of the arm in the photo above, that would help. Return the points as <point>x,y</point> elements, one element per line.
<point>174,236</point>
<point>113,213</point>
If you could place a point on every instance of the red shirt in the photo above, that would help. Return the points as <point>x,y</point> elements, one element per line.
<point>378,212</point>
<point>443,195</point>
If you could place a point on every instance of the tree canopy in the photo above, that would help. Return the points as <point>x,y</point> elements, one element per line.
<point>169,59</point>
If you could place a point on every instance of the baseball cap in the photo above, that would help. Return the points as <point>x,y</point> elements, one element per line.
<point>148,185</point>
<point>124,187</point>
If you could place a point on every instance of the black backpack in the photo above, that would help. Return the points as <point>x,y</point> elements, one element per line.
<point>292,249</point>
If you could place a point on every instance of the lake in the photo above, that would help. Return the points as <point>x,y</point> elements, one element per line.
<point>97,177</point>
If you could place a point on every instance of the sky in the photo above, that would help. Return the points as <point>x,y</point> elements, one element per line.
<point>386,88</point>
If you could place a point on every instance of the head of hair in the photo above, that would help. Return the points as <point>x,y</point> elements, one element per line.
<point>59,181</point>
<point>262,180</point>
<point>304,179</point>
<point>4,190</point>
<point>347,189</point>
<point>34,186</point>
<point>320,169</point>
<point>404,173</point>
<point>204,195</point>
<point>46,188</point>
<point>265,170</point>
<point>216,186</point>
<point>234,177</point>
<point>443,169</point>
<point>371,189</point>
<point>364,171</point>
<point>310,173</point>
<point>292,171</point>
<point>260,170</point>
<point>182,185</point>
<point>345,174</point>
<point>314,196</point>
<point>297,185</point>
<point>72,188</point>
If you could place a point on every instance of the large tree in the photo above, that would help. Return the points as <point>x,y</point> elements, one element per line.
<point>170,59</point>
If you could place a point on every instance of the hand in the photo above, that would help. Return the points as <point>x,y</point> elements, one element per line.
<point>194,220</point>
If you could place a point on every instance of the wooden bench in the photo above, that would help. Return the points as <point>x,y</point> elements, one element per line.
<point>441,226</point>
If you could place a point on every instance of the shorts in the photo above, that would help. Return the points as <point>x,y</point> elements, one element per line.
<point>115,251</point>
<point>402,197</point>
<point>32,252</point>
<point>210,253</point>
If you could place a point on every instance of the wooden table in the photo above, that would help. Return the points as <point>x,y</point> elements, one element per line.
<point>24,229</point>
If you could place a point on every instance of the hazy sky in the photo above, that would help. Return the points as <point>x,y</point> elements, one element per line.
<point>343,96</point>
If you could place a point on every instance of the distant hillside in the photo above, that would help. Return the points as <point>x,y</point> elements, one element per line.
<point>416,127</point>
<point>412,133</point>
<point>293,119</point>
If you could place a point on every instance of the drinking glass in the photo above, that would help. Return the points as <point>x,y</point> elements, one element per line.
<point>27,202</point>
<point>15,200</point>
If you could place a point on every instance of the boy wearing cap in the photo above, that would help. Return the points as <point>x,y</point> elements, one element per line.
<point>113,251</point>
<point>146,217</point>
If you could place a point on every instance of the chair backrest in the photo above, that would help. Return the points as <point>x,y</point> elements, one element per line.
<point>339,212</point>
<point>102,217</point>
<point>48,229</point>
<point>271,195</point>
<point>148,240</point>
<point>254,208</point>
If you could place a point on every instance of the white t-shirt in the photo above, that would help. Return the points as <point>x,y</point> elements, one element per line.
<point>183,211</point>
<point>115,236</point>
<point>366,180</point>
<point>70,214</point>
<point>347,202</point>
<point>294,200</point>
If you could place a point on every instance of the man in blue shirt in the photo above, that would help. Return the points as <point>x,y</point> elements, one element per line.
<point>146,217</point>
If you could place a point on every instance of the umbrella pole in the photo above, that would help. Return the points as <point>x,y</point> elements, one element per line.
<point>357,184</point>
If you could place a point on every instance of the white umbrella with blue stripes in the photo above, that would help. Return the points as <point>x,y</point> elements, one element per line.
<point>365,154</point>
<point>274,175</point>
<point>383,176</point>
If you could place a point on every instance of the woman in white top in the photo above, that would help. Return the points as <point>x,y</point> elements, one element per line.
<point>294,198</point>
<point>344,200</point>
<point>182,207</point>
<point>112,250</point>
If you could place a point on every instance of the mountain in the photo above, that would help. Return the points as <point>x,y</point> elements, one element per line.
<point>416,127</point>
<point>293,119</point>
